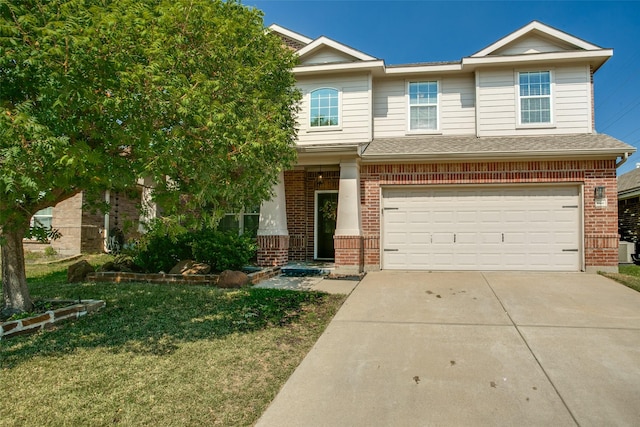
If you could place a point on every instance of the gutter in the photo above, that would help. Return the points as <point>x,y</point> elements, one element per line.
<point>622,161</point>
<point>489,155</point>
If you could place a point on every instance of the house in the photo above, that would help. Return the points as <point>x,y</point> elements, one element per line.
<point>629,208</point>
<point>491,162</point>
<point>83,229</point>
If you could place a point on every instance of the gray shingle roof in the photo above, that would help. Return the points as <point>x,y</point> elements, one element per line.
<point>438,146</point>
<point>629,181</point>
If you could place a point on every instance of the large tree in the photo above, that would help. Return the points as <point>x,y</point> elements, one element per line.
<point>97,93</point>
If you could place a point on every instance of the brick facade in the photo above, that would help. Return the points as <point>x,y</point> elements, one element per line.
<point>273,250</point>
<point>81,227</point>
<point>600,229</point>
<point>300,187</point>
<point>600,226</point>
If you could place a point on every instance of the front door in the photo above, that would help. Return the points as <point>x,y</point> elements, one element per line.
<point>325,227</point>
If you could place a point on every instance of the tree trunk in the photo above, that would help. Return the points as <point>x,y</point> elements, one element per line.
<point>14,280</point>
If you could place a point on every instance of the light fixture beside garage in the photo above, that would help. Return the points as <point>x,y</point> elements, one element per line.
<point>600,197</point>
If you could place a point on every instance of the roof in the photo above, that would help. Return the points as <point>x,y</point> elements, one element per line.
<point>570,49</point>
<point>629,181</point>
<point>438,147</point>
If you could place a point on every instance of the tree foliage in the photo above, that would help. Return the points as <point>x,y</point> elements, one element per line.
<point>96,93</point>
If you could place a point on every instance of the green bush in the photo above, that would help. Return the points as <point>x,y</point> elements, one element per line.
<point>158,250</point>
<point>222,250</point>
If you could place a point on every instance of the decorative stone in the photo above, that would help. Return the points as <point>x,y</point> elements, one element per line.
<point>78,272</point>
<point>232,279</point>
<point>189,267</point>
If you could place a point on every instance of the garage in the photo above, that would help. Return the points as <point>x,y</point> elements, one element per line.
<point>482,228</point>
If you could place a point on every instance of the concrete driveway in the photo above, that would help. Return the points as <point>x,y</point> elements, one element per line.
<point>472,348</point>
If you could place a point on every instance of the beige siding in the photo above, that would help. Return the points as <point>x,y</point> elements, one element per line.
<point>326,56</point>
<point>531,44</point>
<point>457,106</point>
<point>497,103</point>
<point>355,110</point>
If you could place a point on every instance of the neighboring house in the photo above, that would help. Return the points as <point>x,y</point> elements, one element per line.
<point>487,163</point>
<point>629,205</point>
<point>88,230</point>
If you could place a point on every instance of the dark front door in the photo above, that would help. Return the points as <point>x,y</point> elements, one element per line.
<point>326,214</point>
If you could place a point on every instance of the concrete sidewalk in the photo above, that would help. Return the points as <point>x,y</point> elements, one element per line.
<point>419,348</point>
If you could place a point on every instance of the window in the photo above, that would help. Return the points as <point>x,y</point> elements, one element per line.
<point>423,105</point>
<point>245,222</point>
<point>324,111</point>
<point>43,218</point>
<point>535,97</point>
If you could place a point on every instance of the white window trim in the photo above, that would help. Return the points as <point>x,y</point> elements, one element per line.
<point>437,130</point>
<point>324,128</point>
<point>552,90</point>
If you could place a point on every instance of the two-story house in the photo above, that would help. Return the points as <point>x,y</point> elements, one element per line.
<point>487,163</point>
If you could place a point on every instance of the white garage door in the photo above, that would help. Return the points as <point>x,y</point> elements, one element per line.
<point>481,228</point>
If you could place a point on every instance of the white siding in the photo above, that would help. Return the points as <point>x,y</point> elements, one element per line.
<point>497,103</point>
<point>355,110</point>
<point>457,106</point>
<point>326,56</point>
<point>531,44</point>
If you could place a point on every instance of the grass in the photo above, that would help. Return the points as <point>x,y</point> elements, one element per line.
<point>159,354</point>
<point>629,275</point>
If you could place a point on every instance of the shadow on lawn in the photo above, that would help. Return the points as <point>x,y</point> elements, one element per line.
<point>153,319</point>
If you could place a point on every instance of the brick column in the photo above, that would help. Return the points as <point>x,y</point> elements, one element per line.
<point>273,236</point>
<point>349,251</point>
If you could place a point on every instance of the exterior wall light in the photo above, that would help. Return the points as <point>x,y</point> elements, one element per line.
<point>600,197</point>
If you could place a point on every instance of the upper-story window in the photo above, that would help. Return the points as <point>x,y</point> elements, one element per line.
<point>325,108</point>
<point>423,105</point>
<point>534,97</point>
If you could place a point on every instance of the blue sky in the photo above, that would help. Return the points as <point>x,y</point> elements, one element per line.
<point>402,32</point>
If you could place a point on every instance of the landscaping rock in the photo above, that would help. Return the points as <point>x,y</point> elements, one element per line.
<point>78,272</point>
<point>190,267</point>
<point>232,279</point>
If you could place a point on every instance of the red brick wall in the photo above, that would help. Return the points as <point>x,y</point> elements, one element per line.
<point>273,250</point>
<point>300,188</point>
<point>600,228</point>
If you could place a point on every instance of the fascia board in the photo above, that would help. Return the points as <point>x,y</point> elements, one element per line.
<point>325,41</point>
<point>340,67</point>
<point>424,69</point>
<point>484,155</point>
<point>291,34</point>
<point>627,194</point>
<point>602,55</point>
<point>539,26</point>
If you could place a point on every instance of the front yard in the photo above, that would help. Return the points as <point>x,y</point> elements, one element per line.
<point>158,354</point>
<point>629,276</point>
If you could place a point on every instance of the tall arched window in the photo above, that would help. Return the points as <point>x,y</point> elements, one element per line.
<point>324,109</point>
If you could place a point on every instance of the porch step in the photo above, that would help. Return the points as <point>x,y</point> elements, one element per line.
<point>298,270</point>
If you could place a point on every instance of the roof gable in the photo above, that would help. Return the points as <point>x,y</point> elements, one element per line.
<point>535,37</point>
<point>331,49</point>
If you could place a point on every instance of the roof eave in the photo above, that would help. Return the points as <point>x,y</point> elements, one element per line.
<point>302,70</point>
<point>606,153</point>
<point>595,57</point>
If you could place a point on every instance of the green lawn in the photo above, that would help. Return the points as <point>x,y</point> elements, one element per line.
<point>159,354</point>
<point>629,275</point>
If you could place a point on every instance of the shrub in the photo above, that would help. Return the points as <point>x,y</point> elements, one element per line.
<point>49,251</point>
<point>158,250</point>
<point>222,250</point>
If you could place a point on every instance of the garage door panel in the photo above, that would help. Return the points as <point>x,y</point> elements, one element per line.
<point>499,228</point>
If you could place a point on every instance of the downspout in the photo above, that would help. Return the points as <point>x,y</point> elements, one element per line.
<point>107,199</point>
<point>623,160</point>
